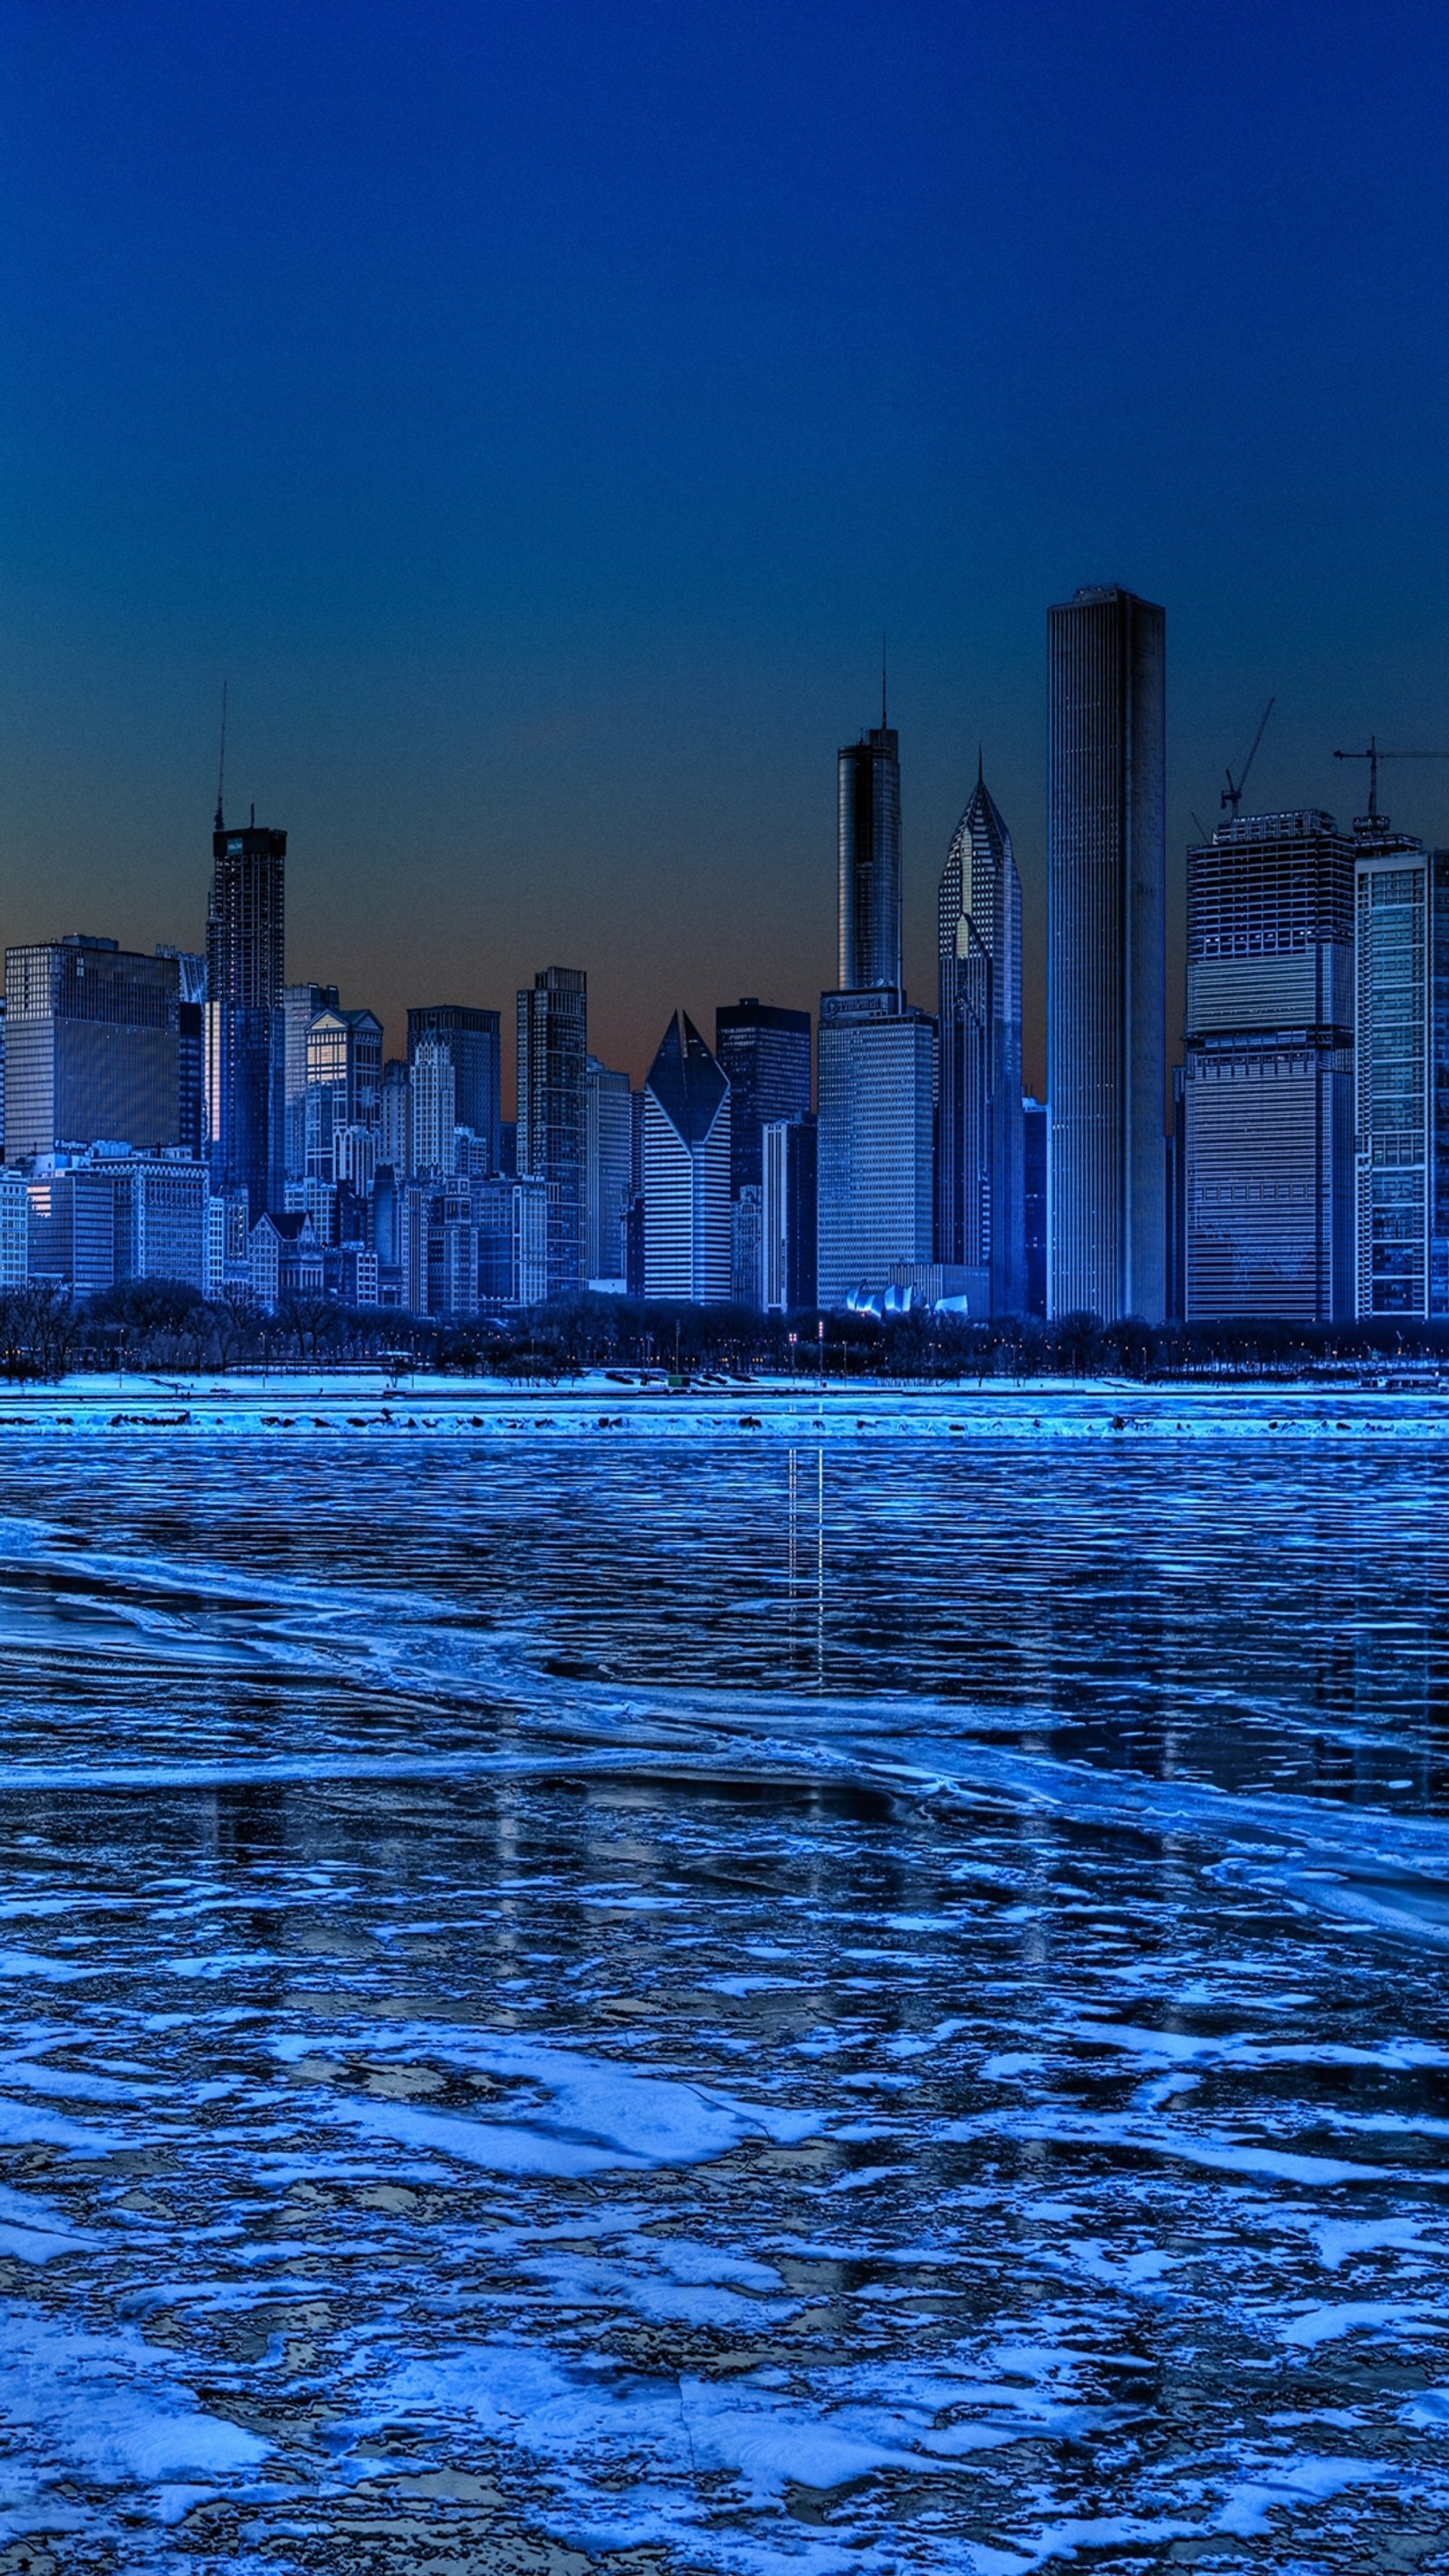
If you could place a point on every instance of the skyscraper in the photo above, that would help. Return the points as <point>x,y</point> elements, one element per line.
<point>869,845</point>
<point>764,1053</point>
<point>92,1047</point>
<point>300,1006</point>
<point>686,1170</point>
<point>980,1208</point>
<point>874,1141</point>
<point>395,1118</point>
<point>788,1216</point>
<point>1106,867</point>
<point>552,1053</point>
<point>245,938</point>
<point>874,1054</point>
<point>433,1092</point>
<point>1267,1088</point>
<point>1401,1074</point>
<point>344,1084</point>
<point>472,1040</point>
<point>608,1171</point>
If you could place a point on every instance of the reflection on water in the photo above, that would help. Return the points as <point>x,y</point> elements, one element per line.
<point>686,2007</point>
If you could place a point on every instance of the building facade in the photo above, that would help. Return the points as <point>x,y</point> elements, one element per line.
<point>1401,1076</point>
<point>868,843</point>
<point>344,1084</point>
<point>551,1143</point>
<point>1106,1037</point>
<point>687,1226</point>
<point>92,1047</point>
<point>245,1037</point>
<point>980,1143</point>
<point>788,1216</point>
<point>1266,1180</point>
<point>875,1113</point>
<point>432,1096</point>
<point>608,1173</point>
<point>471,1038</point>
<point>764,1052</point>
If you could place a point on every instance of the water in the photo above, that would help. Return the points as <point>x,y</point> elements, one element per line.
<point>668,2005</point>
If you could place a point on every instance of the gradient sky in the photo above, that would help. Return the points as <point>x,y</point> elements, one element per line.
<point>537,413</point>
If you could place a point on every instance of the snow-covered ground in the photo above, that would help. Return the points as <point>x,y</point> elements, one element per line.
<point>600,1402</point>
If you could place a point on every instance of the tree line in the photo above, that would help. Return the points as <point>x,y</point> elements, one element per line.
<point>164,1326</point>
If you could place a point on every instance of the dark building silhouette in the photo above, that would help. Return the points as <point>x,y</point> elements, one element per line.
<point>245,1070</point>
<point>552,1140</point>
<point>1034,1203</point>
<point>869,844</point>
<point>1106,868</point>
<point>765,1053</point>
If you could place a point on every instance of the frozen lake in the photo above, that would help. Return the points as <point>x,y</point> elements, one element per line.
<point>724,2003</point>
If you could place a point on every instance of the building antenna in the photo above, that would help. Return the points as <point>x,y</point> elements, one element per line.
<point>884,718</point>
<point>221,764</point>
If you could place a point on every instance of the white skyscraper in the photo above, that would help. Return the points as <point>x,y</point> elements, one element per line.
<point>687,1231</point>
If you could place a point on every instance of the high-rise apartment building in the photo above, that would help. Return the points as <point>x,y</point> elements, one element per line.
<point>868,841</point>
<point>1106,867</point>
<point>300,1006</point>
<point>874,1140</point>
<point>980,1209</point>
<point>687,1234</point>
<point>471,1037</point>
<point>245,942</point>
<point>608,1172</point>
<point>1401,1074</point>
<point>552,1119</point>
<point>344,1083</point>
<point>92,1047</point>
<point>1266,1183</point>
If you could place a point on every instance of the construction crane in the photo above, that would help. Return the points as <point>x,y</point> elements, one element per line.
<point>1373,756</point>
<point>1232,794</point>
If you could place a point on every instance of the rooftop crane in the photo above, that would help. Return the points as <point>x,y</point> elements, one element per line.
<point>1232,794</point>
<point>1373,756</point>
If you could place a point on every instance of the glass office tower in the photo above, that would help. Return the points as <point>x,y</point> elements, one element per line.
<point>92,1047</point>
<point>1401,1077</point>
<point>869,849</point>
<point>245,1072</point>
<point>552,1116</point>
<point>1106,869</point>
<point>1267,1081</point>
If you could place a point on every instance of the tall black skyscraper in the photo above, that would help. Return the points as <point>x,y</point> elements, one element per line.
<point>1106,868</point>
<point>765,1052</point>
<point>471,1037</point>
<point>245,932</point>
<point>869,841</point>
<point>553,1052</point>
<point>980,1218</point>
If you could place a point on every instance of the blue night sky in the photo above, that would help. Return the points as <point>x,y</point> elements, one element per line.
<point>537,414</point>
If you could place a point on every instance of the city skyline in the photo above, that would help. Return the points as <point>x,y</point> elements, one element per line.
<point>541,510</point>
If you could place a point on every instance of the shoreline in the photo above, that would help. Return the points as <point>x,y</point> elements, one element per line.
<point>595,1405</point>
